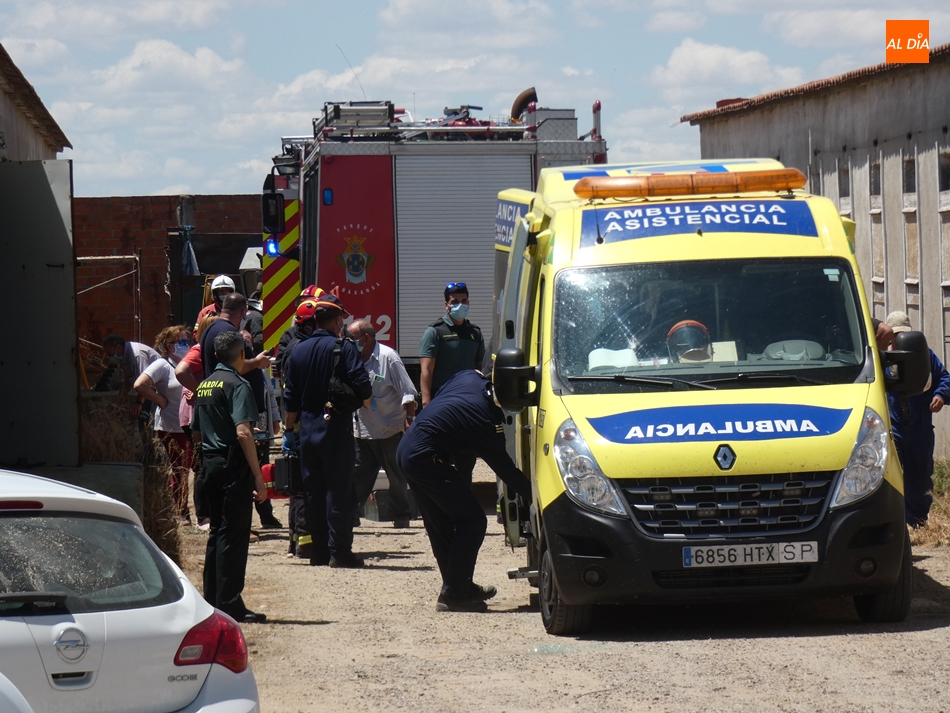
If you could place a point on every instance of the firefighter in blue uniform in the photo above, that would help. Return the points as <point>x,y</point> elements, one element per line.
<point>327,452</point>
<point>913,431</point>
<point>463,414</point>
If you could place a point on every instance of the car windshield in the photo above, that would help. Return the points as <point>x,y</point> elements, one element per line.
<point>712,323</point>
<point>99,564</point>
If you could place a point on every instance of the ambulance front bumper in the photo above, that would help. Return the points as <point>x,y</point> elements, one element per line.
<point>607,560</point>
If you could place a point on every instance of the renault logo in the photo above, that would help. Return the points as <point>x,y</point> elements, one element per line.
<point>71,645</point>
<point>725,457</point>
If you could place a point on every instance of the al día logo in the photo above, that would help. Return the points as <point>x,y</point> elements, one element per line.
<point>908,41</point>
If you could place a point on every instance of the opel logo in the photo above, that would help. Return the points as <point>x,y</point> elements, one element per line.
<point>725,457</point>
<point>71,645</point>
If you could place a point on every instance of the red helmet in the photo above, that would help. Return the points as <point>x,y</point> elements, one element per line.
<point>311,291</point>
<point>306,310</point>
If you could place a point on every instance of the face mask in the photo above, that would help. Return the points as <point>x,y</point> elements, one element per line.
<point>180,351</point>
<point>458,312</point>
<point>115,359</point>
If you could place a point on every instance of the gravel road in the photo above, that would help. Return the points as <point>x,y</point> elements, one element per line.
<point>371,640</point>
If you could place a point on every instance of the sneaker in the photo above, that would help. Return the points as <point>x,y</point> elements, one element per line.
<point>205,524</point>
<point>271,523</point>
<point>483,591</point>
<point>346,562</point>
<point>401,524</point>
<point>475,604</point>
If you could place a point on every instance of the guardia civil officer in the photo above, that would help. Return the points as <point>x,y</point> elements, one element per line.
<point>327,454</point>
<point>224,412</point>
<point>463,414</point>
<point>448,346</point>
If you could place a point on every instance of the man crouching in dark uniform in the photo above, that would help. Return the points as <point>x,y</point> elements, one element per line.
<point>463,414</point>
<point>224,411</point>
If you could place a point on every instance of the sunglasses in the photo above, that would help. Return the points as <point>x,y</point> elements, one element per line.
<point>184,343</point>
<point>453,286</point>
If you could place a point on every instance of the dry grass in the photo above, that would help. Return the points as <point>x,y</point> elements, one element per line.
<point>111,434</point>
<point>936,532</point>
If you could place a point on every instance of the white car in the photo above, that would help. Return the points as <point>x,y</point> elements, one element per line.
<point>95,618</point>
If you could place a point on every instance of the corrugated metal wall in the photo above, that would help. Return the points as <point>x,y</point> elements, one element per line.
<point>445,232</point>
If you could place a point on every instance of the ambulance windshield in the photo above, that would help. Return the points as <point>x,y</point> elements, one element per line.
<point>725,323</point>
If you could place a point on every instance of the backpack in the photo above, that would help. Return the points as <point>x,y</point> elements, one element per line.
<point>340,395</point>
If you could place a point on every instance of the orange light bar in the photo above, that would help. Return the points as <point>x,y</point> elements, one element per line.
<point>688,184</point>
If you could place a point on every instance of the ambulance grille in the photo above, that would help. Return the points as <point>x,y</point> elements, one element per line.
<point>720,506</point>
<point>767,576</point>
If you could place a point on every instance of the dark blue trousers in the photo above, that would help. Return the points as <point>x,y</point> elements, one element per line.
<point>228,495</point>
<point>454,520</point>
<point>327,458</point>
<point>916,454</point>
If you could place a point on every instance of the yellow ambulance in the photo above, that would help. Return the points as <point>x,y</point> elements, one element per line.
<point>695,389</point>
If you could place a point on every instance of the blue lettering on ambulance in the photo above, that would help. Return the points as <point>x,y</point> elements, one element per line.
<point>771,217</point>
<point>737,422</point>
<point>505,219</point>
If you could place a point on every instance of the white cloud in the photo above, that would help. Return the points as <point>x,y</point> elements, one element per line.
<point>834,28</point>
<point>675,21</point>
<point>435,28</point>
<point>33,53</point>
<point>108,20</point>
<point>569,72</point>
<point>176,189</point>
<point>160,64</point>
<point>696,70</point>
<point>650,134</point>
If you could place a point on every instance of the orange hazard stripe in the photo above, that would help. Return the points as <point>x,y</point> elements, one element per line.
<point>281,280</point>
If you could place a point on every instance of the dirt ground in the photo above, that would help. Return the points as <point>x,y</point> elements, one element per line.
<point>371,640</point>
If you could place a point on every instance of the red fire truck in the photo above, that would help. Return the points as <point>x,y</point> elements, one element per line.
<point>388,210</point>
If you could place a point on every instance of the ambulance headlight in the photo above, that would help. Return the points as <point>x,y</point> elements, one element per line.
<point>864,472</point>
<point>585,482</point>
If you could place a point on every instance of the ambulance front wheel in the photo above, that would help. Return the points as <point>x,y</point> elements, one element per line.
<point>559,619</point>
<point>894,604</point>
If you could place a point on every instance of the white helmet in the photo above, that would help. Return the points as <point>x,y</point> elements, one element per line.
<point>222,281</point>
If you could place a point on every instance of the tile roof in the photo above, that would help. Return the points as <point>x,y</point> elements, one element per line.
<point>737,106</point>
<point>25,98</point>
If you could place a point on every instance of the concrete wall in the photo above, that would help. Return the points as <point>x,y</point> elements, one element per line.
<point>139,225</point>
<point>836,137</point>
<point>19,140</point>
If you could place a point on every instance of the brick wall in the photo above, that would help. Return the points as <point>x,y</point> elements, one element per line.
<point>139,225</point>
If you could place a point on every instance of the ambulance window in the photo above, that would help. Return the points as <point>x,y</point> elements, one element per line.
<point>702,320</point>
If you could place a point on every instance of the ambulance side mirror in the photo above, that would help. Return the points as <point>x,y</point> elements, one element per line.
<point>511,379</point>
<point>272,213</point>
<point>907,366</point>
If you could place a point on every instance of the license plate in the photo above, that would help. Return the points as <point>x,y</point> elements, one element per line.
<point>743,555</point>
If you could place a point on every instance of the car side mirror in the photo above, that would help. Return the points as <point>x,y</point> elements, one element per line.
<point>511,378</point>
<point>907,365</point>
<point>272,213</point>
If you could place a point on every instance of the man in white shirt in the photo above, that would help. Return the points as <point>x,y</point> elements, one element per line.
<point>380,427</point>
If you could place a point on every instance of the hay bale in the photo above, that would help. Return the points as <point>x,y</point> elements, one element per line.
<point>111,434</point>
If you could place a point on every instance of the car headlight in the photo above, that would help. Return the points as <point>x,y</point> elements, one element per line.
<point>585,482</point>
<point>864,472</point>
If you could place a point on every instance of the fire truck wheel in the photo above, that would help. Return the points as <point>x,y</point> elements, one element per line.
<point>893,605</point>
<point>560,619</point>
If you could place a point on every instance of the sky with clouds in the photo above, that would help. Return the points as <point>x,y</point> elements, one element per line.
<point>192,96</point>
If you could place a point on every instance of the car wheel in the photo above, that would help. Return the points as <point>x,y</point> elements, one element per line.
<point>560,619</point>
<point>894,604</point>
